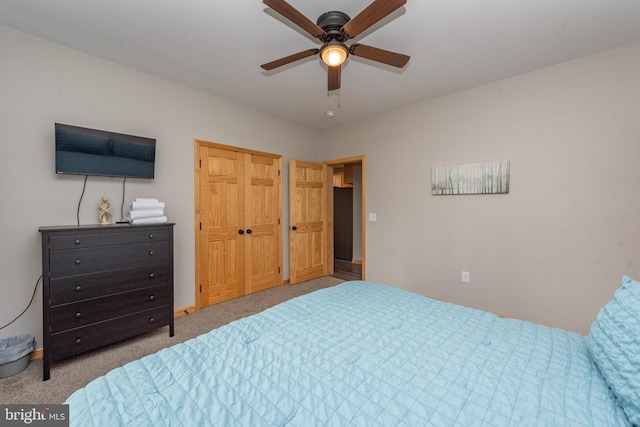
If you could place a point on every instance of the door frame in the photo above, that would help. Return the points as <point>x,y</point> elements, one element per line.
<point>358,160</point>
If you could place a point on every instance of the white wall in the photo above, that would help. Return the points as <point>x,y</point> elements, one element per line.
<point>554,249</point>
<point>42,83</point>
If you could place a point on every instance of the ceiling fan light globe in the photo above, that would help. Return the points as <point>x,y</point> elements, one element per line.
<point>334,54</point>
<point>334,58</point>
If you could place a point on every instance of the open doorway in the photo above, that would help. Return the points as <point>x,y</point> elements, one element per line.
<point>348,218</point>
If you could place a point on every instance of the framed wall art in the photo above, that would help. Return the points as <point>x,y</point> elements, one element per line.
<point>472,178</point>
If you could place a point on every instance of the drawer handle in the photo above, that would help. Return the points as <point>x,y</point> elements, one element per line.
<point>152,297</point>
<point>77,241</point>
<point>78,288</point>
<point>151,275</point>
<point>77,262</point>
<point>78,340</point>
<point>151,320</point>
<point>151,253</point>
<point>78,315</point>
<point>151,236</point>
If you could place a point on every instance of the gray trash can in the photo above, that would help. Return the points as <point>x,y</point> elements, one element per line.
<point>14,354</point>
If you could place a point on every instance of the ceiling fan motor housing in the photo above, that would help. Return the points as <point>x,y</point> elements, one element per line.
<point>332,22</point>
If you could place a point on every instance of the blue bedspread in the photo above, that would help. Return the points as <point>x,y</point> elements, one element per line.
<point>359,354</point>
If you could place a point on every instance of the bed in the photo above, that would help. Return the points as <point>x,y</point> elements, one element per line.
<point>365,354</point>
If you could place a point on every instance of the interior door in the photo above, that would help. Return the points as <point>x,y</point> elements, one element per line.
<point>264,230</point>
<point>310,225</point>
<point>238,222</point>
<point>221,221</point>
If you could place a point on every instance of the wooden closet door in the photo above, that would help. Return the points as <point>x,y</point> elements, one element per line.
<point>264,234</point>
<point>222,220</point>
<point>238,222</point>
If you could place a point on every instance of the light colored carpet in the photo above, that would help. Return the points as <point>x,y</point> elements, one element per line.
<point>70,374</point>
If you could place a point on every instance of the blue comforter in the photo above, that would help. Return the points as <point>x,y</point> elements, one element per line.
<point>359,354</point>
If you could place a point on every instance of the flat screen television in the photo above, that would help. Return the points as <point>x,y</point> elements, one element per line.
<point>83,151</point>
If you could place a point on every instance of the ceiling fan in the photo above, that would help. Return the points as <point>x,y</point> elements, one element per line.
<point>333,29</point>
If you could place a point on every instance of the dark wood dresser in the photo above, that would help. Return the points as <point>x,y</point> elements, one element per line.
<point>102,284</point>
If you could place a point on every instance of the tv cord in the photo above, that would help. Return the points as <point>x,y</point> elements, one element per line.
<point>122,205</point>
<point>80,201</point>
<point>124,182</point>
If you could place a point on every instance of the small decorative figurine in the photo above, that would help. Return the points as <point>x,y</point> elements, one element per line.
<point>104,211</point>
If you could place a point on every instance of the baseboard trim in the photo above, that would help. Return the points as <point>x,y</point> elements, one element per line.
<point>36,354</point>
<point>183,311</point>
<point>357,261</point>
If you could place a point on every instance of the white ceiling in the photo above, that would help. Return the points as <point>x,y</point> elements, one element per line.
<point>218,46</point>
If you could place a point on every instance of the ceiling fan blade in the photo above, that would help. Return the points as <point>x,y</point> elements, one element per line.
<point>289,59</point>
<point>293,15</point>
<point>370,15</point>
<point>379,55</point>
<point>335,74</point>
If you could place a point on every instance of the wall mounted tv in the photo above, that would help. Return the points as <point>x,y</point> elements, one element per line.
<point>83,151</point>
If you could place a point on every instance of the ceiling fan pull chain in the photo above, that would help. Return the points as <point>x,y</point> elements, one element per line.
<point>335,93</point>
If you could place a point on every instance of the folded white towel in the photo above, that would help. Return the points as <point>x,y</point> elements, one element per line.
<point>140,199</point>
<point>155,220</point>
<point>138,206</point>
<point>146,213</point>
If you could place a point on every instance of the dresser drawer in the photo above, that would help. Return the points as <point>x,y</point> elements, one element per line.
<point>75,341</point>
<point>80,240</point>
<point>82,313</point>
<point>70,262</point>
<point>91,285</point>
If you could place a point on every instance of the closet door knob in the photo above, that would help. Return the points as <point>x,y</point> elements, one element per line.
<point>249,231</point>
<point>240,231</point>
<point>294,228</point>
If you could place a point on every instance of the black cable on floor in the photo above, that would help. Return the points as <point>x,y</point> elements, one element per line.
<point>30,302</point>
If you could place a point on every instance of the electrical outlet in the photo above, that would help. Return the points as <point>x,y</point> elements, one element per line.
<point>465,277</point>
